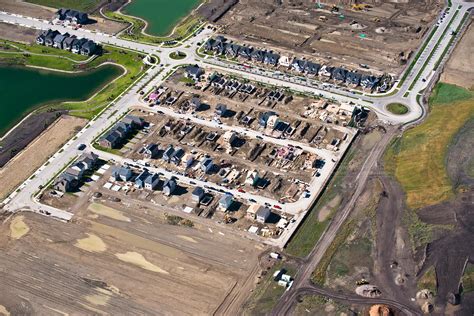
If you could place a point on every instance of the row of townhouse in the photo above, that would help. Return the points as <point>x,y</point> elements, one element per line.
<point>68,42</point>
<point>119,132</point>
<point>221,46</point>
<point>144,180</point>
<point>70,179</point>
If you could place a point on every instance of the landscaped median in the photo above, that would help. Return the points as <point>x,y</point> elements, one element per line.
<point>43,57</point>
<point>397,108</point>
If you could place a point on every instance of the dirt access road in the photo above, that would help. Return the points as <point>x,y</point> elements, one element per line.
<point>302,279</point>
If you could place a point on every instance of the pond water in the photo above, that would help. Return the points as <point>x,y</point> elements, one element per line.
<point>24,89</point>
<point>161,15</point>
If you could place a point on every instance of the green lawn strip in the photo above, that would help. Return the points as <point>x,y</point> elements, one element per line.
<point>50,181</point>
<point>418,75</point>
<point>417,56</point>
<point>319,274</point>
<point>311,229</point>
<point>445,93</point>
<point>108,150</point>
<point>131,61</point>
<point>40,49</point>
<point>466,15</point>
<point>397,108</point>
<point>81,5</point>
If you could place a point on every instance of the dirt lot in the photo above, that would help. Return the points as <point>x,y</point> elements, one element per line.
<point>17,33</point>
<point>100,263</point>
<point>22,166</point>
<point>46,13</point>
<point>458,70</point>
<point>381,36</point>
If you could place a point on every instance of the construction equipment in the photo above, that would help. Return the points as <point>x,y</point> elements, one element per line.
<point>228,219</point>
<point>360,7</point>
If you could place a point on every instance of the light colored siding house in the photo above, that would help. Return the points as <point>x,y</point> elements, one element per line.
<point>263,214</point>
<point>198,194</point>
<point>121,174</point>
<point>151,182</point>
<point>225,202</point>
<point>140,179</point>
<point>169,187</point>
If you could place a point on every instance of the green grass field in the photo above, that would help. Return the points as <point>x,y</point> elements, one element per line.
<point>81,5</point>
<point>445,93</point>
<point>397,108</point>
<point>417,159</point>
<point>134,66</point>
<point>311,229</point>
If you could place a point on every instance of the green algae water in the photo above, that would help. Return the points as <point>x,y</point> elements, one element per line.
<point>24,89</point>
<point>161,15</point>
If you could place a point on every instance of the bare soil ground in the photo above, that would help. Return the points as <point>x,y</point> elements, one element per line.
<point>383,36</point>
<point>97,264</point>
<point>17,33</point>
<point>46,13</point>
<point>23,165</point>
<point>28,9</point>
<point>458,69</point>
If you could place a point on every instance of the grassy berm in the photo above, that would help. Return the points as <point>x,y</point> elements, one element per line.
<point>418,158</point>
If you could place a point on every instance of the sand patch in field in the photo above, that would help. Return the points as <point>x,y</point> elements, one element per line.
<point>187,238</point>
<point>91,243</point>
<point>328,208</point>
<point>18,227</point>
<point>137,241</point>
<point>3,311</point>
<point>98,299</point>
<point>139,260</point>
<point>109,212</point>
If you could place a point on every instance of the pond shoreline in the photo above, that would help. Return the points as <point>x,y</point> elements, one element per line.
<point>36,119</point>
<point>168,32</point>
